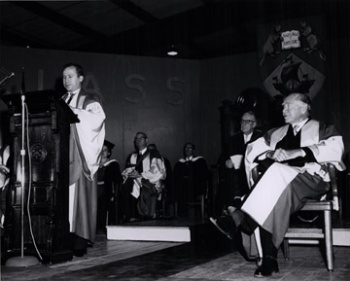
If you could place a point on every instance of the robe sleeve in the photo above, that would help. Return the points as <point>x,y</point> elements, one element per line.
<point>91,131</point>
<point>329,151</point>
<point>254,150</point>
<point>157,171</point>
<point>328,147</point>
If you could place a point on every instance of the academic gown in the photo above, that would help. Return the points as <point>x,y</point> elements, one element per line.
<point>4,180</point>
<point>285,187</point>
<point>190,181</point>
<point>86,142</point>
<point>145,189</point>
<point>109,179</point>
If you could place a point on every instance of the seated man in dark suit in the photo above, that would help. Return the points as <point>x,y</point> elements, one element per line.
<point>236,186</point>
<point>293,162</point>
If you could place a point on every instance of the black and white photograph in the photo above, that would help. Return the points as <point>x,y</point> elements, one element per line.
<point>175,140</point>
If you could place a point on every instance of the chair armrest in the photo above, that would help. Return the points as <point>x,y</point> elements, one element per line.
<point>255,174</point>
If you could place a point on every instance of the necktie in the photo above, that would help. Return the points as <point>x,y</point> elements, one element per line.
<point>70,98</point>
<point>295,129</point>
<point>139,167</point>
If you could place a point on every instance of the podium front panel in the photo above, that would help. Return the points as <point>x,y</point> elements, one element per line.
<point>46,184</point>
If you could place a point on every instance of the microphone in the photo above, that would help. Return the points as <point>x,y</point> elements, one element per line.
<point>23,84</point>
<point>8,77</point>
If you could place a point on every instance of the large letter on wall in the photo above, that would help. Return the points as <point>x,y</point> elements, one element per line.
<point>130,82</point>
<point>91,86</point>
<point>177,86</point>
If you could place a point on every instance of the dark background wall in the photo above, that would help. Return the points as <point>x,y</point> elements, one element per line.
<point>173,100</point>
<point>157,96</point>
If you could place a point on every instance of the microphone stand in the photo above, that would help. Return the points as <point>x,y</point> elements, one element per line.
<point>22,261</point>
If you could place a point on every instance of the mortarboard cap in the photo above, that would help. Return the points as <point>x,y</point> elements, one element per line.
<point>108,144</point>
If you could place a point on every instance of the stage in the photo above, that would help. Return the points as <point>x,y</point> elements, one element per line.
<point>208,255</point>
<point>163,229</point>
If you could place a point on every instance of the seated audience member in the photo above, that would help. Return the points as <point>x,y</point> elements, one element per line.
<point>143,175</point>
<point>235,175</point>
<point>165,186</point>
<point>293,162</point>
<point>4,180</point>
<point>191,179</point>
<point>108,181</point>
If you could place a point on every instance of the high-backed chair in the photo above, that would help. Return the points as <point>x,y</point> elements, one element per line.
<point>306,235</point>
<point>198,205</point>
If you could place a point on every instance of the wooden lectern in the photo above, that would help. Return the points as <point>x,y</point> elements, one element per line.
<point>46,182</point>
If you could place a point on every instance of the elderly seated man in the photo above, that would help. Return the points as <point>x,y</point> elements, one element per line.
<point>293,162</point>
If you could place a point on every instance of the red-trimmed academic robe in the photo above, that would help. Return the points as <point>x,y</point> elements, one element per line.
<point>283,189</point>
<point>147,188</point>
<point>86,142</point>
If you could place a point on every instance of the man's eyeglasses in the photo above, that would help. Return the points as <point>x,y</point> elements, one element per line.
<point>247,121</point>
<point>140,138</point>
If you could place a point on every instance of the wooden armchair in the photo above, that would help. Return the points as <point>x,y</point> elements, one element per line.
<point>309,235</point>
<point>201,204</point>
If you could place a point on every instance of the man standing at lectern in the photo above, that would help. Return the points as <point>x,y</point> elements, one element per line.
<point>85,145</point>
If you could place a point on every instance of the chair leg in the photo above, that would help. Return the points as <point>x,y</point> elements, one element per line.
<point>328,238</point>
<point>175,209</point>
<point>286,249</point>
<point>202,207</point>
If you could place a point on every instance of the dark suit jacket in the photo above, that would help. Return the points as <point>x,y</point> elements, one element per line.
<point>235,180</point>
<point>236,143</point>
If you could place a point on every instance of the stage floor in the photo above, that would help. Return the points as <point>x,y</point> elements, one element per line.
<point>208,256</point>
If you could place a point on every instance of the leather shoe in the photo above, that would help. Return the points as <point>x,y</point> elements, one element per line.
<point>225,225</point>
<point>237,203</point>
<point>79,252</point>
<point>240,220</point>
<point>268,267</point>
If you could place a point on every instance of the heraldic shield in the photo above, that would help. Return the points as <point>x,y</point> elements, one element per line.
<point>292,56</point>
